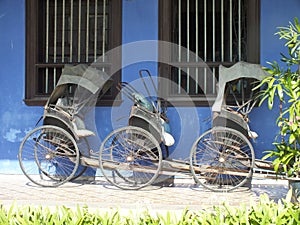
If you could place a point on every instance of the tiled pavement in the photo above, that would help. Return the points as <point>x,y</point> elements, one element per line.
<point>101,195</point>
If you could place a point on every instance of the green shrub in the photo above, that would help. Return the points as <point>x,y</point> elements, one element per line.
<point>263,212</point>
<point>284,85</point>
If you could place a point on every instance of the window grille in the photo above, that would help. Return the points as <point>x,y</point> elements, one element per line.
<point>216,31</point>
<point>68,32</point>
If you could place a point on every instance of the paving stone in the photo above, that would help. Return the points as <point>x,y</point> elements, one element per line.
<point>102,195</point>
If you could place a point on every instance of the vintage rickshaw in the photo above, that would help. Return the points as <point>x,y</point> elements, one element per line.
<point>134,156</point>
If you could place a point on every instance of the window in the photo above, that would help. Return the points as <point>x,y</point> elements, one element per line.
<point>60,32</point>
<point>217,31</point>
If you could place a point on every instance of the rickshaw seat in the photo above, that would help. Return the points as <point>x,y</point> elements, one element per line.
<point>231,119</point>
<point>235,120</point>
<point>251,134</point>
<point>84,133</point>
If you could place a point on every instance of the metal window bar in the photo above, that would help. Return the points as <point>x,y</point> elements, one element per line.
<point>197,46</point>
<point>55,42</point>
<point>239,31</point>
<point>79,32</point>
<point>214,44</point>
<point>188,45</point>
<point>205,45</point>
<point>63,32</point>
<point>47,48</point>
<point>230,30</point>
<point>71,31</point>
<point>214,31</point>
<point>95,30</point>
<point>87,31</point>
<point>222,30</point>
<point>179,45</point>
<point>103,30</point>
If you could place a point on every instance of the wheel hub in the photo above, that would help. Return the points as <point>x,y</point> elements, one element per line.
<point>48,156</point>
<point>129,158</point>
<point>221,159</point>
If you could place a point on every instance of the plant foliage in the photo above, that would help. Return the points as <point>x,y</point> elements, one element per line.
<point>284,84</point>
<point>262,213</point>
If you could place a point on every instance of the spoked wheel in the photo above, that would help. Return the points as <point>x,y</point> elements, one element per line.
<point>222,159</point>
<point>130,158</point>
<point>49,156</point>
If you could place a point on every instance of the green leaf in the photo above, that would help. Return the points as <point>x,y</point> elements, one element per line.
<point>271,98</point>
<point>280,91</point>
<point>296,22</point>
<point>294,127</point>
<point>276,164</point>
<point>292,139</point>
<point>263,99</point>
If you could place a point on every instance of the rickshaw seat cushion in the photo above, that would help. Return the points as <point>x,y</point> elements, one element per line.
<point>79,128</point>
<point>84,133</point>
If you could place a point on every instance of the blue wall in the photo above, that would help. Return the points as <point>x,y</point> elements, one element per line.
<point>274,14</point>
<point>140,22</point>
<point>15,117</point>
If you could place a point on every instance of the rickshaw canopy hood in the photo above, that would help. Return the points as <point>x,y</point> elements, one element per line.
<point>239,70</point>
<point>83,75</point>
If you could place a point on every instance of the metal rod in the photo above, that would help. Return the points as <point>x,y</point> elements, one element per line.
<point>63,32</point>
<point>205,45</point>
<point>181,169</point>
<point>95,30</point>
<point>214,45</point>
<point>71,32</point>
<point>47,47</point>
<point>55,31</point>
<point>214,80</point>
<point>127,90</point>
<point>222,30</point>
<point>230,30</point>
<point>55,40</point>
<point>179,45</point>
<point>103,30</point>
<point>205,31</point>
<point>79,30</point>
<point>243,90</point>
<point>47,31</point>
<point>151,79</point>
<point>46,80</point>
<point>54,77</point>
<point>171,168</point>
<point>188,45</point>
<point>87,31</point>
<point>240,35</point>
<point>234,95</point>
<point>214,31</point>
<point>205,83</point>
<point>197,46</point>
<point>188,26</point>
<point>145,86</point>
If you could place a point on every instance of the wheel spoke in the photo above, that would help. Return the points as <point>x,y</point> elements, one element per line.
<point>49,156</point>
<point>222,159</point>
<point>130,158</point>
